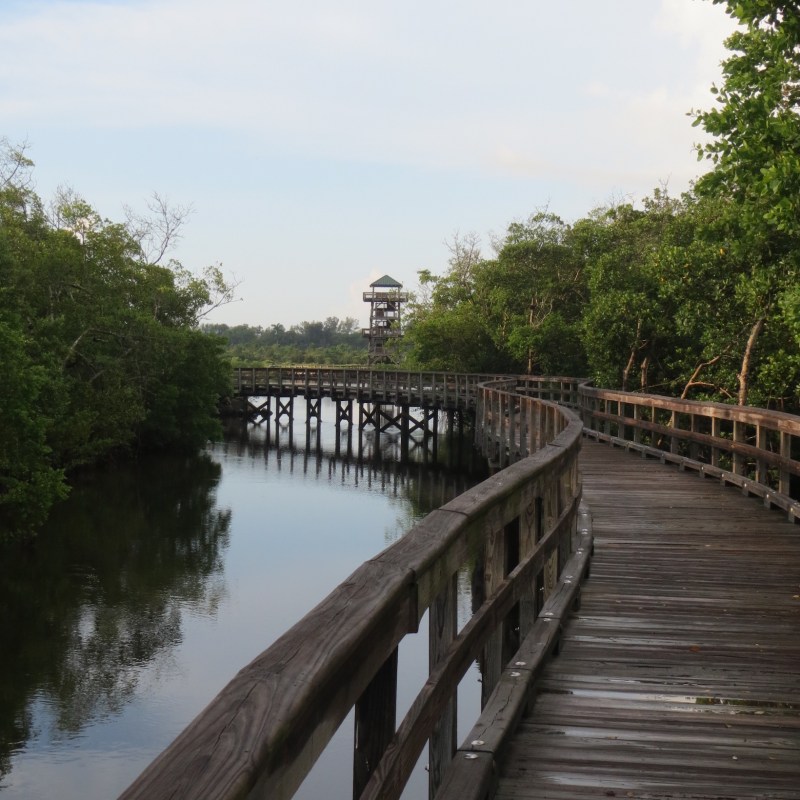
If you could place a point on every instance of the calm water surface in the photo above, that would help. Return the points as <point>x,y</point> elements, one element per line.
<point>153,585</point>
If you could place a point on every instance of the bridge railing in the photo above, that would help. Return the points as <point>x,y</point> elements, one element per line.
<point>753,448</point>
<point>447,390</point>
<point>518,530</point>
<point>441,389</point>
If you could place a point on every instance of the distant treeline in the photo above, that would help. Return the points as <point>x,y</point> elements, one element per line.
<point>334,341</point>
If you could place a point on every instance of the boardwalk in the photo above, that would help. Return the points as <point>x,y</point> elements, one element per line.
<point>676,680</point>
<point>680,675</point>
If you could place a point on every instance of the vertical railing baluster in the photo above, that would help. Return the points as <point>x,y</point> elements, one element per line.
<point>694,447</point>
<point>761,464</point>
<point>442,630</point>
<point>637,416</point>
<point>529,534</point>
<point>739,463</point>
<point>494,562</point>
<point>716,434</point>
<point>674,442</point>
<point>784,474</point>
<point>375,722</point>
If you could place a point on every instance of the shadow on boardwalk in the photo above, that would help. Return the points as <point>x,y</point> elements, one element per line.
<point>680,675</point>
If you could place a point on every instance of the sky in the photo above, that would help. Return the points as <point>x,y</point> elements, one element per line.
<point>321,146</point>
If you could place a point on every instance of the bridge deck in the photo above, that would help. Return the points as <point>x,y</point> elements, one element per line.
<point>680,675</point>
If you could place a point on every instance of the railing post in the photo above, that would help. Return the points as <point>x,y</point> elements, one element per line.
<point>442,630</point>
<point>494,439</point>
<point>784,475</point>
<point>674,442</point>
<point>534,426</point>
<point>514,448</point>
<point>761,444</point>
<point>694,447</point>
<point>524,426</point>
<point>529,534</point>
<point>637,416</point>
<point>551,510</point>
<point>716,433</point>
<point>375,722</point>
<point>739,464</point>
<point>494,562</point>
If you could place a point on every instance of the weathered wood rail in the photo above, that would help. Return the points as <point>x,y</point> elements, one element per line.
<point>443,390</point>
<point>753,448</point>
<point>260,736</point>
<point>528,535</point>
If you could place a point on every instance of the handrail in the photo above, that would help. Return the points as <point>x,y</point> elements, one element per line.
<point>444,390</point>
<point>753,448</point>
<point>262,733</point>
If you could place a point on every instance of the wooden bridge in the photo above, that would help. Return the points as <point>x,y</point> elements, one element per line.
<point>670,672</point>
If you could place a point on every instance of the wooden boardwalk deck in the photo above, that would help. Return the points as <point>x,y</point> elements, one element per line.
<point>680,675</point>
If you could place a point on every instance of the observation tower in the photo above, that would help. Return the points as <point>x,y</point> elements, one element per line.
<point>385,302</point>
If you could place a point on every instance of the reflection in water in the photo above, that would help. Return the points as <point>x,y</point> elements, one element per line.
<point>99,594</point>
<point>422,471</point>
<point>154,584</point>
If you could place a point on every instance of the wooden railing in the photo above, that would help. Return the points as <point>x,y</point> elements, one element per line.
<point>519,530</point>
<point>443,390</point>
<point>753,448</point>
<point>526,533</point>
<point>440,389</point>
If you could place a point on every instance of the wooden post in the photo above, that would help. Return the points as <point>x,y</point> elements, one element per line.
<point>550,515</point>
<point>490,416</point>
<point>524,427</point>
<point>694,447</point>
<point>739,464</point>
<point>494,563</point>
<point>674,442</point>
<point>786,452</point>
<point>529,534</point>
<point>504,407</point>
<point>443,627</point>
<point>513,446</point>
<point>761,444</point>
<point>375,720</point>
<point>405,416</point>
<point>716,431</point>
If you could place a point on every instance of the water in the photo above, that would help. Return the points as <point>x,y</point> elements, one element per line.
<point>152,585</point>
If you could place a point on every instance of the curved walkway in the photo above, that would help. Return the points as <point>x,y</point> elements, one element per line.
<point>680,675</point>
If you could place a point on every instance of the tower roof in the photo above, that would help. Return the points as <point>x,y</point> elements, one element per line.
<point>387,282</point>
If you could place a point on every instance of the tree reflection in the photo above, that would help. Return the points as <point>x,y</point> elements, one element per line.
<point>100,594</point>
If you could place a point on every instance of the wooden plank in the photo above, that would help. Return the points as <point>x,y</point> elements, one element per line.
<point>678,676</point>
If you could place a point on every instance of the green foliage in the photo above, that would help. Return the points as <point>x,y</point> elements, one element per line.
<point>100,348</point>
<point>755,180</point>
<point>518,312</point>
<point>451,339</point>
<point>756,145</point>
<point>627,323</point>
<point>29,483</point>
